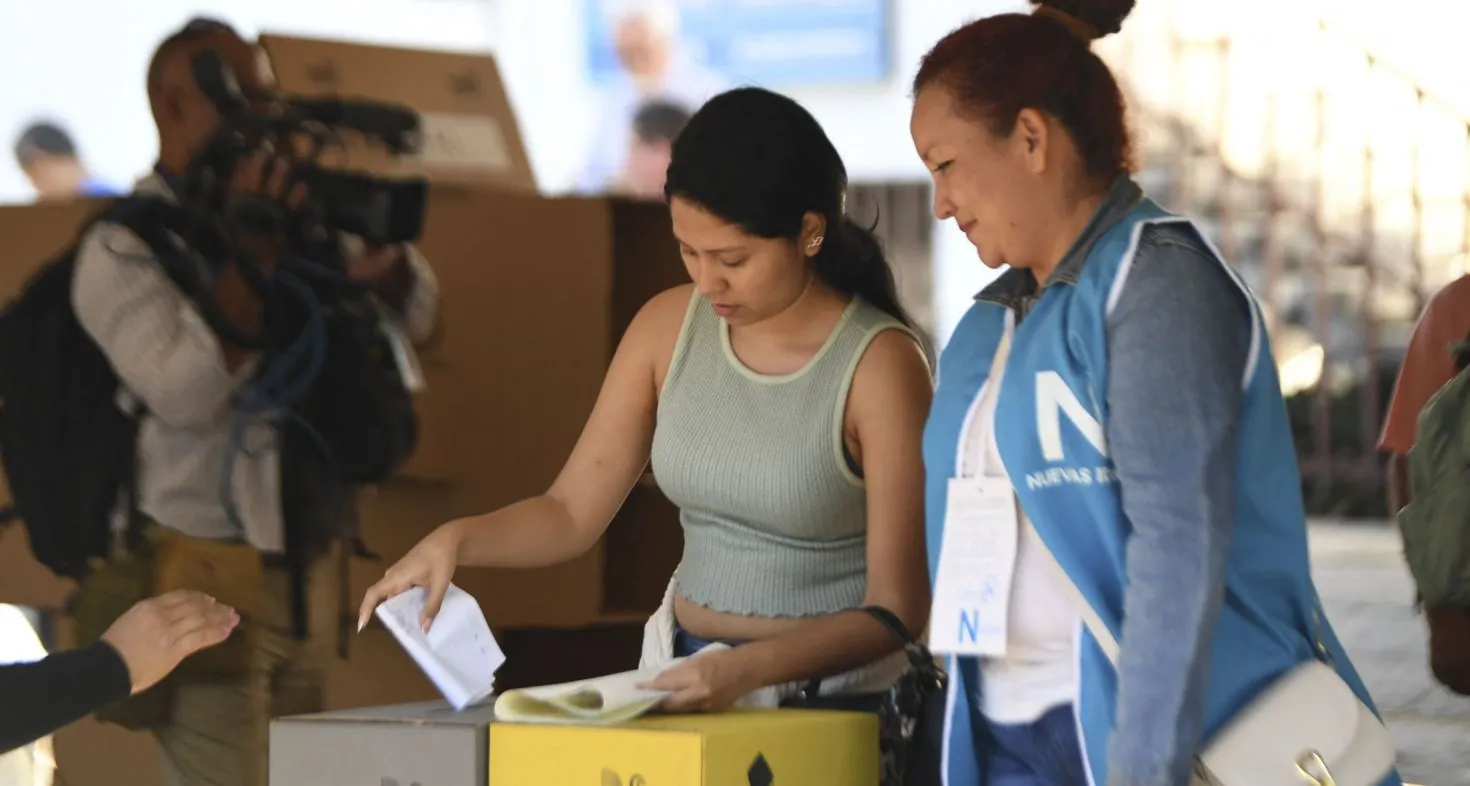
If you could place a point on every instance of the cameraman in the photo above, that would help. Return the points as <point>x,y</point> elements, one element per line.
<point>213,729</point>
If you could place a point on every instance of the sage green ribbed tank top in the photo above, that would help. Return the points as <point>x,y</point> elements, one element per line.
<point>774,518</point>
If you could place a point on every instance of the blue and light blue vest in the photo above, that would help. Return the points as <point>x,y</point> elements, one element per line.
<point>1050,423</point>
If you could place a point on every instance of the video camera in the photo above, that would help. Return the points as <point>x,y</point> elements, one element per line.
<point>382,211</point>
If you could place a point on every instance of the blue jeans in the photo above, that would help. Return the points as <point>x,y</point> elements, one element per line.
<point>1044,752</point>
<point>686,643</point>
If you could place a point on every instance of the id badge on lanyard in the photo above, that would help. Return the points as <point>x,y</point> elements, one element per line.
<point>977,557</point>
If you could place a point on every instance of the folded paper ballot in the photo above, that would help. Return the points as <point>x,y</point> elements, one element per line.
<point>608,700</point>
<point>458,654</point>
<point>615,698</point>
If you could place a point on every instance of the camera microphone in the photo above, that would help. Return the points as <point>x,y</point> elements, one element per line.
<point>396,126</point>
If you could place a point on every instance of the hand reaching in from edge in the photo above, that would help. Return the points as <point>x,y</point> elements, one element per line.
<point>157,633</point>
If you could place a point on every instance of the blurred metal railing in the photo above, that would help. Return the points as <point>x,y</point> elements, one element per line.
<point>1334,227</point>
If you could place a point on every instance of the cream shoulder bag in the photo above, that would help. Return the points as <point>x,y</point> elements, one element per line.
<point>1307,728</point>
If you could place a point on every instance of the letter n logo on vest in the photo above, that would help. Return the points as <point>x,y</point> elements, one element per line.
<point>1054,399</point>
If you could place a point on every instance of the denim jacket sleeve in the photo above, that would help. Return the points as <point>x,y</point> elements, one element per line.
<point>1178,344</point>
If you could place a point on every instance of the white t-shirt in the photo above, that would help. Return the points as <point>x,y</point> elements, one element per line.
<point>28,765</point>
<point>1038,671</point>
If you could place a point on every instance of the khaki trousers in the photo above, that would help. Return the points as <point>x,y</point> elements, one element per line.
<point>219,731</point>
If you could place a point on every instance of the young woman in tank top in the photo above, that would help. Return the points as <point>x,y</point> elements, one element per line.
<point>781,397</point>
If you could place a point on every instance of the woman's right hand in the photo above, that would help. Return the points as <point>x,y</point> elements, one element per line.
<point>430,565</point>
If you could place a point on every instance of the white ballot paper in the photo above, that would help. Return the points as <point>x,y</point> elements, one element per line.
<point>458,654</point>
<point>615,698</point>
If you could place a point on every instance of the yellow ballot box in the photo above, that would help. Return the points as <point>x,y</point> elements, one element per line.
<point>736,748</point>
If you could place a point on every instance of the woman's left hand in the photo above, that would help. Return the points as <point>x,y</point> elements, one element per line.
<point>706,682</point>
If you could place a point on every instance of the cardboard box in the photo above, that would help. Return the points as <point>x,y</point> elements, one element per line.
<point>398,745</point>
<point>646,260</point>
<point>526,308</point>
<point>752,748</point>
<point>469,130</point>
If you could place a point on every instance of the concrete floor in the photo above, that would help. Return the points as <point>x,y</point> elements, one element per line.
<point>1360,573</point>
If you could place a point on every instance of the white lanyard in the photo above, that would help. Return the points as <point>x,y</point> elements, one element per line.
<point>974,432</point>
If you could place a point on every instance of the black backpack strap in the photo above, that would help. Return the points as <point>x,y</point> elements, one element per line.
<point>891,621</point>
<point>156,222</point>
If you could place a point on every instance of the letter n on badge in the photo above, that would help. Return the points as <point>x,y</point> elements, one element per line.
<point>977,560</point>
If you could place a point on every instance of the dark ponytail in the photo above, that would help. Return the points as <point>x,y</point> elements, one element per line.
<point>759,160</point>
<point>852,261</point>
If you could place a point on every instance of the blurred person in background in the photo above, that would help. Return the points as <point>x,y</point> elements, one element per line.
<point>646,35</point>
<point>49,158</point>
<point>1109,407</point>
<point>1428,365</point>
<point>198,490</point>
<point>655,127</point>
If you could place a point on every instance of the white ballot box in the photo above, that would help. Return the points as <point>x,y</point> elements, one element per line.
<point>425,743</point>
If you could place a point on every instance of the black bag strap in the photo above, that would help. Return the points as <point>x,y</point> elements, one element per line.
<point>895,626</point>
<point>891,621</point>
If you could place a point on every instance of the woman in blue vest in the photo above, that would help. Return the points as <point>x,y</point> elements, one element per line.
<point>1132,434</point>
